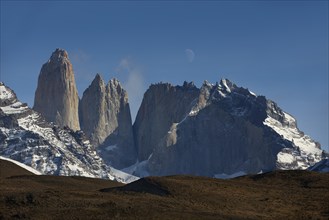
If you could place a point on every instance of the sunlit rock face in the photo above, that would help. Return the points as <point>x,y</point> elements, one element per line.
<point>56,96</point>
<point>105,118</point>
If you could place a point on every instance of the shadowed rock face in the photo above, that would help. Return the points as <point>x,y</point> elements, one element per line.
<point>105,118</point>
<point>56,97</point>
<point>162,105</point>
<point>217,129</point>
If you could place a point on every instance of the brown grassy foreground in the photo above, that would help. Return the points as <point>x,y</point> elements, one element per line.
<point>276,195</point>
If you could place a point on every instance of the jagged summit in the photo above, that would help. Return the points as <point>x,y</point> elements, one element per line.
<point>6,94</point>
<point>56,96</point>
<point>105,118</point>
<point>59,55</point>
<point>115,87</point>
<point>115,82</point>
<point>98,78</point>
<point>227,85</point>
<point>189,85</point>
<point>97,81</point>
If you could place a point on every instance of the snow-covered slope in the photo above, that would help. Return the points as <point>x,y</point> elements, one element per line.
<point>26,137</point>
<point>28,168</point>
<point>298,151</point>
<point>304,153</point>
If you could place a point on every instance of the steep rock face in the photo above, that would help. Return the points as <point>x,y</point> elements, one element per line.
<point>221,130</point>
<point>56,96</point>
<point>105,118</point>
<point>162,105</point>
<point>25,136</point>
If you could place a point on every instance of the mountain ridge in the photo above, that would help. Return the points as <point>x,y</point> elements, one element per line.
<point>27,137</point>
<point>218,130</point>
<point>227,122</point>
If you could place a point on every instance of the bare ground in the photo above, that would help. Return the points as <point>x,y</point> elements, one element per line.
<point>275,195</point>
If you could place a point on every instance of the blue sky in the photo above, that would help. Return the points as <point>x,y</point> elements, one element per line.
<point>275,48</point>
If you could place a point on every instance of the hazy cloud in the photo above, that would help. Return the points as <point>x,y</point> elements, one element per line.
<point>133,83</point>
<point>80,60</point>
<point>79,56</point>
<point>83,71</point>
<point>190,55</point>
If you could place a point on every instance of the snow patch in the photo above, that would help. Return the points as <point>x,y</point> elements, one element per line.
<point>15,108</point>
<point>5,93</point>
<point>230,176</point>
<point>28,168</point>
<point>225,85</point>
<point>252,93</point>
<point>111,147</point>
<point>122,176</point>
<point>138,169</point>
<point>292,134</point>
<point>285,158</point>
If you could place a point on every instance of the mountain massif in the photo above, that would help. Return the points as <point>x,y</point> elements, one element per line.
<point>219,130</point>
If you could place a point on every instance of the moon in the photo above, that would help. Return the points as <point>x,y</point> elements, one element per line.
<point>190,55</point>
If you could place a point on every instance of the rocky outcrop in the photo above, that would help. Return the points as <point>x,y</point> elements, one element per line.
<point>56,96</point>
<point>217,130</point>
<point>105,118</point>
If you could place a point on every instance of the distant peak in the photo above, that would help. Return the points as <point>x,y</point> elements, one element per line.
<point>97,80</point>
<point>114,82</point>
<point>206,84</point>
<point>226,84</point>
<point>188,84</point>
<point>59,54</point>
<point>6,93</point>
<point>98,77</point>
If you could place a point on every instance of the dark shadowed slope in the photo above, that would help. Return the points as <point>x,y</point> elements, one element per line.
<point>275,195</point>
<point>8,169</point>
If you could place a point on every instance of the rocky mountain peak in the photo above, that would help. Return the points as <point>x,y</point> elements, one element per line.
<point>59,55</point>
<point>7,96</point>
<point>97,81</point>
<point>189,85</point>
<point>217,129</point>
<point>114,82</point>
<point>206,84</point>
<point>115,89</point>
<point>105,118</point>
<point>56,96</point>
<point>97,78</point>
<point>227,85</point>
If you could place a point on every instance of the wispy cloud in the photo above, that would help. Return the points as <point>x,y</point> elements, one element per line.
<point>80,61</point>
<point>190,55</point>
<point>133,83</point>
<point>82,69</point>
<point>79,56</point>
